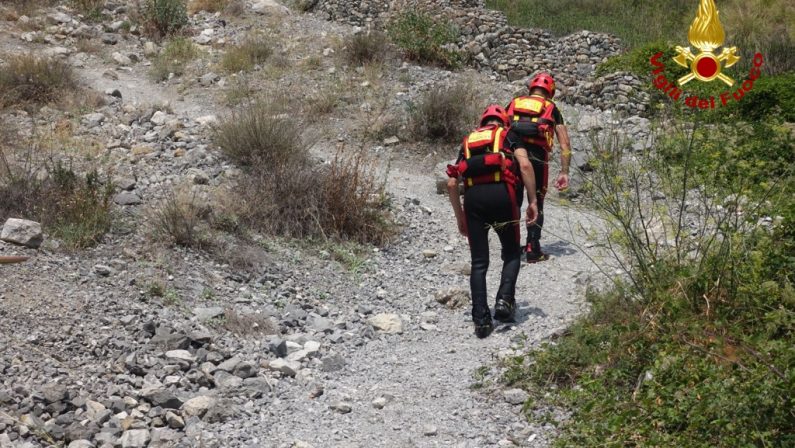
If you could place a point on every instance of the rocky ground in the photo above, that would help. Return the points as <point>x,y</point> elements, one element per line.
<point>284,344</point>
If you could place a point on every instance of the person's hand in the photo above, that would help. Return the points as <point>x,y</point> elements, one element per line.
<point>532,213</point>
<point>462,226</point>
<point>562,183</point>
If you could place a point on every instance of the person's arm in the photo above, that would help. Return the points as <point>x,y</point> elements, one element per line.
<point>529,179</point>
<point>565,157</point>
<point>455,197</point>
<point>455,201</point>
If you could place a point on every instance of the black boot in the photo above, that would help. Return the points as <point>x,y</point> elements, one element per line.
<point>533,252</point>
<point>505,309</point>
<point>483,326</point>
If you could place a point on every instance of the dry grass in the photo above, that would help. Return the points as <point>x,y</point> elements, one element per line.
<point>444,112</point>
<point>174,58</point>
<point>29,79</point>
<point>261,134</point>
<point>251,324</point>
<point>28,7</point>
<point>285,193</point>
<point>90,8</point>
<point>181,220</point>
<point>195,6</point>
<point>245,56</point>
<point>363,48</point>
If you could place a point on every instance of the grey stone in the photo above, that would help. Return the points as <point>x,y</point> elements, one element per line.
<point>182,355</point>
<point>208,79</point>
<point>245,370</point>
<point>135,438</point>
<point>197,406</point>
<point>342,407</point>
<point>289,368</point>
<point>23,232</point>
<point>515,396</point>
<point>387,323</point>
<point>110,39</point>
<point>230,364</point>
<point>79,444</point>
<point>162,397</point>
<point>174,420</point>
<point>127,198</point>
<point>121,59</point>
<point>226,380</point>
<point>93,120</point>
<point>159,118</point>
<point>205,314</point>
<point>103,270</point>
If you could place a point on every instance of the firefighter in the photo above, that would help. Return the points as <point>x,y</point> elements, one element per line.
<point>534,121</point>
<point>486,166</point>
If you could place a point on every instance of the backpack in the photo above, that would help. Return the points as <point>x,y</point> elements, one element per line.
<point>485,159</point>
<point>532,119</point>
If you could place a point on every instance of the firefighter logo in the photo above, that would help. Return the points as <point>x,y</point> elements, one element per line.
<point>706,34</point>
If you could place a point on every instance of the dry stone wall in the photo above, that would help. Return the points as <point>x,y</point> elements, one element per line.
<point>512,53</point>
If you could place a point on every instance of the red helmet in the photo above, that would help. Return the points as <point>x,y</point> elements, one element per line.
<point>543,81</point>
<point>494,111</point>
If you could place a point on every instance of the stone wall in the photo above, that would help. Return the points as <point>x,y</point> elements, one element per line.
<point>510,53</point>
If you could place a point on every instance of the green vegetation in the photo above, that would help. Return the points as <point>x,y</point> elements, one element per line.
<point>751,25</point>
<point>423,37</point>
<point>175,56</point>
<point>694,347</point>
<point>72,208</point>
<point>243,57</point>
<point>162,18</point>
<point>90,8</point>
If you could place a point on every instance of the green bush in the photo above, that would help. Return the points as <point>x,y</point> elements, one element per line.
<point>694,349</point>
<point>243,57</point>
<point>423,38</point>
<point>161,18</point>
<point>73,208</point>
<point>175,56</point>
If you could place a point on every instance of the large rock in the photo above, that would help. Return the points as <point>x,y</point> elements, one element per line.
<point>289,368</point>
<point>135,438</point>
<point>387,323</point>
<point>269,7</point>
<point>22,231</point>
<point>197,406</point>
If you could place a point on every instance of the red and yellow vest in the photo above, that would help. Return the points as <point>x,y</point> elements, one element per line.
<point>485,158</point>
<point>532,118</point>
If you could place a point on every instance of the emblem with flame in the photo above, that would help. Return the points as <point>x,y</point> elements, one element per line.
<point>706,34</point>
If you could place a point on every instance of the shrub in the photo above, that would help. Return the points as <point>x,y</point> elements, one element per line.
<point>28,79</point>
<point>175,56</point>
<point>423,38</point>
<point>261,135</point>
<point>73,208</point>
<point>444,112</point>
<point>344,200</point>
<point>363,48</point>
<point>693,349</point>
<point>161,18</point>
<point>180,220</point>
<point>90,8</point>
<point>243,57</point>
<point>195,6</point>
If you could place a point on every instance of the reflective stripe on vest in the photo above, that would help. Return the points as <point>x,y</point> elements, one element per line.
<point>485,137</point>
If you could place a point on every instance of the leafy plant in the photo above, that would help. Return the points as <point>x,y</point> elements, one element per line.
<point>425,38</point>
<point>162,18</point>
